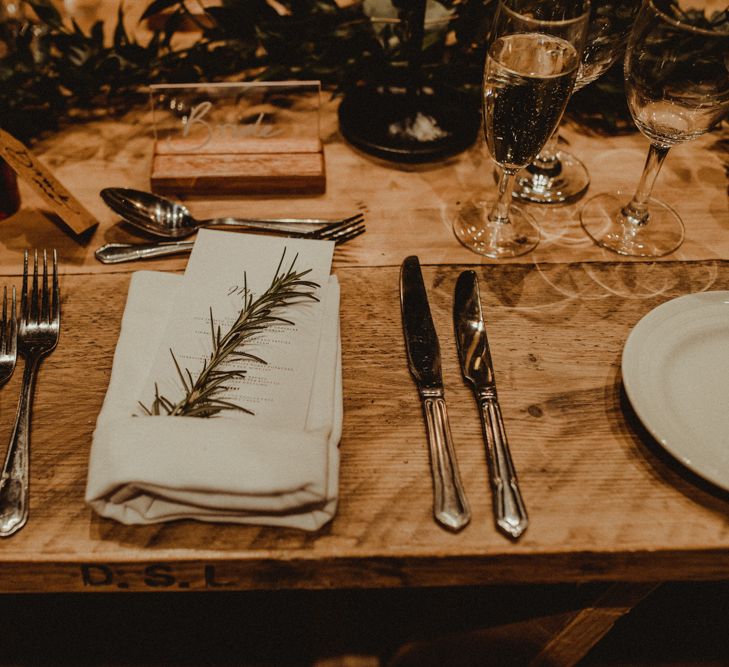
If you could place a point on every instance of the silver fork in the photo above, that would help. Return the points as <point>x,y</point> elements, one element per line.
<point>38,331</point>
<point>115,253</point>
<point>8,337</point>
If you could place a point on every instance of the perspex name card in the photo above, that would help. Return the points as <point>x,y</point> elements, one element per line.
<point>231,138</point>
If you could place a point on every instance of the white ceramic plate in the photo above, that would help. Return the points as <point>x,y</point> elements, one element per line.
<point>676,374</point>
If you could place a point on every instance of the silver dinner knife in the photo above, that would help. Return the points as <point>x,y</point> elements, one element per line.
<point>478,370</point>
<point>450,506</point>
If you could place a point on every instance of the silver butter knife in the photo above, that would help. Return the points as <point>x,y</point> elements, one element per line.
<point>450,506</point>
<point>478,370</point>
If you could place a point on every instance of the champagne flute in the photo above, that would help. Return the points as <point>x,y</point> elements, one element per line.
<point>677,85</point>
<point>530,70</point>
<point>556,175</point>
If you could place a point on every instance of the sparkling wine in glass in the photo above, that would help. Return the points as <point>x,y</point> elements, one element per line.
<point>530,71</point>
<point>555,175</point>
<point>677,85</point>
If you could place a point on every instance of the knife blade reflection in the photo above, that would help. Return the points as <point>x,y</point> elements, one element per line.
<point>477,368</point>
<point>450,507</point>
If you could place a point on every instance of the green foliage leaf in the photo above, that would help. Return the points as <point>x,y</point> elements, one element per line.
<point>55,71</point>
<point>158,6</point>
<point>47,13</point>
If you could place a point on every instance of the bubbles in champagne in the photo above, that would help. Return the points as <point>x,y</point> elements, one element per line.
<point>528,80</point>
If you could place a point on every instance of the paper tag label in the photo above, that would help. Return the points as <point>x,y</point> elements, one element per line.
<point>61,201</point>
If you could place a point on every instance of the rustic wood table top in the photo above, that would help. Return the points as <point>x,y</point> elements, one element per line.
<point>605,502</point>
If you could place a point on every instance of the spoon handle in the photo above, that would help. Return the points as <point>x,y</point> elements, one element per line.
<point>114,253</point>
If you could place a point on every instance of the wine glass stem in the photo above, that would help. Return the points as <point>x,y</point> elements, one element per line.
<point>636,211</point>
<point>500,211</point>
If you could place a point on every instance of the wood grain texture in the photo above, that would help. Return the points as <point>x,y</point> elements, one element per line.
<point>589,625</point>
<point>545,636</point>
<point>408,209</point>
<point>604,502</point>
<point>254,173</point>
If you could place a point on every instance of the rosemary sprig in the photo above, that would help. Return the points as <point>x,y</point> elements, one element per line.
<point>205,394</point>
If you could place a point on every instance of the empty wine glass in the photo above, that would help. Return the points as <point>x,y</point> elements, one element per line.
<point>556,175</point>
<point>677,85</point>
<point>530,70</point>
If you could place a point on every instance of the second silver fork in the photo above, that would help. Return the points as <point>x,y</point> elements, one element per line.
<point>115,253</point>
<point>38,331</point>
<point>8,337</point>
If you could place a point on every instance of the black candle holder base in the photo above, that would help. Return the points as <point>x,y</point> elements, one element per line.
<point>397,125</point>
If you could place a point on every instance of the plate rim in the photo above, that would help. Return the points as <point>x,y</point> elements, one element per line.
<point>654,317</point>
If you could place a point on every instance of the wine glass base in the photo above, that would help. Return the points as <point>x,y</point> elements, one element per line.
<point>498,240</point>
<point>603,219</point>
<point>568,181</point>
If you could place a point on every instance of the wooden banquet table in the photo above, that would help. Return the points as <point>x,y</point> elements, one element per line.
<point>606,504</point>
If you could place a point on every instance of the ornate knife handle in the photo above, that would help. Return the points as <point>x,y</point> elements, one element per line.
<point>509,507</point>
<point>114,253</point>
<point>450,506</point>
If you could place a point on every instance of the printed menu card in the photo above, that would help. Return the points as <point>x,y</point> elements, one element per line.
<point>222,266</point>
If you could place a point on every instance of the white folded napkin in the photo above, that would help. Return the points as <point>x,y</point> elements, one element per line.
<point>146,469</point>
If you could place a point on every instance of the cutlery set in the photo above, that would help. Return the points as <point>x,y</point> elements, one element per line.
<point>34,334</point>
<point>34,331</point>
<point>167,219</point>
<point>450,506</point>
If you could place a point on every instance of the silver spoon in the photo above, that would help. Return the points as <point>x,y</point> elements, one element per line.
<point>162,217</point>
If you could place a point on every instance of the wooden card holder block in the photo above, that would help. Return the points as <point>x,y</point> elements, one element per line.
<point>258,167</point>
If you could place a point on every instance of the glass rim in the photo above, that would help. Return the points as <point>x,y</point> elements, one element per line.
<point>686,26</point>
<point>546,22</point>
